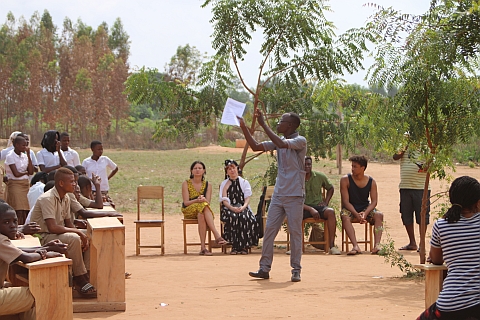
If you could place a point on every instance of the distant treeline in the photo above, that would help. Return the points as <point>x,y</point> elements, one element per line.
<point>70,79</point>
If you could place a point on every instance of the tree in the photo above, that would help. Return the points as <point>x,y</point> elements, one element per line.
<point>438,96</point>
<point>184,66</point>
<point>299,48</point>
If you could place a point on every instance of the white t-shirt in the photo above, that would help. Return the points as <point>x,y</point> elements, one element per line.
<point>4,152</point>
<point>72,157</point>
<point>48,159</point>
<point>99,167</point>
<point>34,192</point>
<point>20,161</point>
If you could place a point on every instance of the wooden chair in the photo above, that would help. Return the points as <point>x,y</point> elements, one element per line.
<point>268,198</point>
<point>187,244</point>
<point>150,192</point>
<point>367,240</point>
<point>326,238</point>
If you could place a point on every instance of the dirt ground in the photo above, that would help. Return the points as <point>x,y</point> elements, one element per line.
<point>176,286</point>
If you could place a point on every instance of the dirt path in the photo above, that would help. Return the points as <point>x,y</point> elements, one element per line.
<point>218,287</point>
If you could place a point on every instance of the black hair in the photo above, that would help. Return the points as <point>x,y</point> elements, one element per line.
<point>71,168</point>
<point>18,139</point>
<point>49,185</point>
<point>48,141</point>
<point>361,160</point>
<point>94,143</point>
<point>61,173</point>
<point>295,118</point>
<point>308,158</point>
<point>228,163</point>
<point>39,176</point>
<point>193,165</point>
<point>64,134</point>
<point>51,175</point>
<point>83,181</point>
<point>79,168</point>
<point>464,193</point>
<point>4,207</point>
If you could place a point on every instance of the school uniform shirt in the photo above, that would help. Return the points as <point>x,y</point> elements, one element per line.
<point>99,167</point>
<point>72,157</point>
<point>4,152</point>
<point>48,159</point>
<point>34,192</point>
<point>8,253</point>
<point>20,161</point>
<point>77,205</point>
<point>50,206</point>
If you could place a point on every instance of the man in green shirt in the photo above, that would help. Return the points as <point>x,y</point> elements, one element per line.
<point>315,205</point>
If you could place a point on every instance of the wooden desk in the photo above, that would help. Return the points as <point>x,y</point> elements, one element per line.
<point>434,276</point>
<point>107,264</point>
<point>48,282</point>
<point>106,209</point>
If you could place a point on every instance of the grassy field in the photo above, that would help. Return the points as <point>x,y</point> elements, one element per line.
<point>171,168</point>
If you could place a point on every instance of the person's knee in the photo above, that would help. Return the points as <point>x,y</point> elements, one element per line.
<point>329,214</point>
<point>378,216</point>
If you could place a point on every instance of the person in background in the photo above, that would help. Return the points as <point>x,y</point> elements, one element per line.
<point>71,156</point>
<point>455,242</point>
<point>81,170</point>
<point>18,167</point>
<point>36,188</point>
<point>196,195</point>
<point>239,221</point>
<point>51,156</point>
<point>3,155</point>
<point>32,154</point>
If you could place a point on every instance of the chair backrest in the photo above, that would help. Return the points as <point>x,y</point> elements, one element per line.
<point>268,197</point>
<point>150,192</point>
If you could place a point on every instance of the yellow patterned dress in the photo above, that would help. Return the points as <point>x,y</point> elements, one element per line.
<point>192,211</point>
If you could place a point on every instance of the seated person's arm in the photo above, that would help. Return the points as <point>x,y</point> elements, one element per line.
<point>98,203</point>
<point>38,254</point>
<point>89,214</point>
<point>29,228</point>
<point>54,245</point>
<point>373,199</point>
<point>185,196</point>
<point>436,255</point>
<point>312,211</point>
<point>346,198</point>
<point>328,196</point>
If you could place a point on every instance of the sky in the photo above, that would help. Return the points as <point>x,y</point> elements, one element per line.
<point>157,27</point>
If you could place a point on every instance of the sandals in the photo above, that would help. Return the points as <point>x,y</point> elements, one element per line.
<point>244,252</point>
<point>87,291</point>
<point>354,252</point>
<point>220,241</point>
<point>205,252</point>
<point>233,252</point>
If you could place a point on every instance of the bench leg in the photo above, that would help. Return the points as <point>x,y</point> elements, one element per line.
<point>433,286</point>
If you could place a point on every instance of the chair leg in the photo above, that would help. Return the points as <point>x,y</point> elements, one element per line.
<point>162,240</point>
<point>184,238</point>
<point>137,240</point>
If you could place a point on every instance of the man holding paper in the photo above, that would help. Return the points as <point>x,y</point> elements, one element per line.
<point>289,193</point>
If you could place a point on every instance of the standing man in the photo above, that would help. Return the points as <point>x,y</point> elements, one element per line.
<point>412,182</point>
<point>71,156</point>
<point>355,189</point>
<point>288,196</point>
<point>316,206</point>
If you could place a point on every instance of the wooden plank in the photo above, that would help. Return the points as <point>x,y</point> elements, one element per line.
<point>105,223</point>
<point>87,305</point>
<point>28,242</point>
<point>433,281</point>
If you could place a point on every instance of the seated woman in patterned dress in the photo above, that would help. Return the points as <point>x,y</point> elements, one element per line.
<point>196,194</point>
<point>240,222</point>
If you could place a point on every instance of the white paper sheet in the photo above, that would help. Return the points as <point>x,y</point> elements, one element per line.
<point>232,110</point>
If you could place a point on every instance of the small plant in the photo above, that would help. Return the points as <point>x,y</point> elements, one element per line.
<point>471,164</point>
<point>396,259</point>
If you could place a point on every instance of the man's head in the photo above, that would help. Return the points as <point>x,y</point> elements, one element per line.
<point>359,164</point>
<point>8,221</point>
<point>288,123</point>
<point>65,180</point>
<point>64,141</point>
<point>308,164</point>
<point>97,148</point>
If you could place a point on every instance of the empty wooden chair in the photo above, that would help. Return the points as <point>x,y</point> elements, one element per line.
<point>150,192</point>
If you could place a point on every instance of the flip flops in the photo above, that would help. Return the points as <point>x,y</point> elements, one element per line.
<point>220,241</point>
<point>408,247</point>
<point>354,252</point>
<point>205,252</point>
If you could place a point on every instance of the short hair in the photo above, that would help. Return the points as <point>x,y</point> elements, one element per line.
<point>61,173</point>
<point>64,134</point>
<point>49,185</point>
<point>71,168</point>
<point>361,160</point>
<point>83,181</point>
<point>95,143</point>
<point>308,158</point>
<point>4,207</point>
<point>80,168</point>
<point>18,139</point>
<point>39,176</point>
<point>51,175</point>
<point>295,118</point>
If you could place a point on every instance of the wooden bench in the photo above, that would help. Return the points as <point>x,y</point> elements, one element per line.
<point>434,276</point>
<point>107,265</point>
<point>48,282</point>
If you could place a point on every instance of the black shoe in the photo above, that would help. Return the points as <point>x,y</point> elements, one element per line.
<point>296,276</point>
<point>259,274</point>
